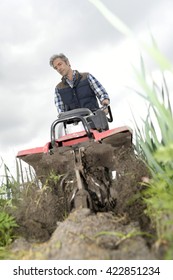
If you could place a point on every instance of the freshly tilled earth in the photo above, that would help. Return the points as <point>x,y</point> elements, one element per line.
<point>49,229</point>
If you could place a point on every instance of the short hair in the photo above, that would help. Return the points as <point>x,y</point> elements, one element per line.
<point>55,56</point>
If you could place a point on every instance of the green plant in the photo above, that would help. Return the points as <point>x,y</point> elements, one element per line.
<point>121,236</point>
<point>53,177</point>
<point>12,185</point>
<point>154,141</point>
<point>7,225</point>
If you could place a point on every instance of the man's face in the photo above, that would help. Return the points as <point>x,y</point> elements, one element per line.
<point>61,66</point>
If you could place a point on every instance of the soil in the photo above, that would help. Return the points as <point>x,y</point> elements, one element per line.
<point>113,225</point>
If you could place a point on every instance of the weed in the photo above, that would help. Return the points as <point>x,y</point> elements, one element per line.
<point>7,225</point>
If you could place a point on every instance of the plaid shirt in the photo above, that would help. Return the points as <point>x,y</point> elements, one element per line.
<point>98,89</point>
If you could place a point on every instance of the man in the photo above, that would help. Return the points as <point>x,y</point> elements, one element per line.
<point>76,90</point>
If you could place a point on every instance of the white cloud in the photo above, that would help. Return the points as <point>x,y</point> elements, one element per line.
<point>31,31</point>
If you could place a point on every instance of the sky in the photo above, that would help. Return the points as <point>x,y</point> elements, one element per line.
<point>31,31</point>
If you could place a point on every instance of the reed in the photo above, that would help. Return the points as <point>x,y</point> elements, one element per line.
<point>11,187</point>
<point>154,139</point>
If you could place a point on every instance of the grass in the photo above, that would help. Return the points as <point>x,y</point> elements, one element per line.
<point>10,189</point>
<point>154,140</point>
<point>155,143</point>
<point>7,224</point>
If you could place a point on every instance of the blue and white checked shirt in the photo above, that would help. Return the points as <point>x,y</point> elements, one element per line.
<point>99,90</point>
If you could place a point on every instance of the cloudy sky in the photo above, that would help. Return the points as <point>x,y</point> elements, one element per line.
<point>32,30</point>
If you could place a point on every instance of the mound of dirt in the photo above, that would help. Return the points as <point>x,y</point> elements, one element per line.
<point>84,235</point>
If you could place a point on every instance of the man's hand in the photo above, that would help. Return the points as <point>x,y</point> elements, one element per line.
<point>105,102</point>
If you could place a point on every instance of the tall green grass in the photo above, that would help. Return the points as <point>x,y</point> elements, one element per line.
<point>10,183</point>
<point>154,140</point>
<point>10,188</point>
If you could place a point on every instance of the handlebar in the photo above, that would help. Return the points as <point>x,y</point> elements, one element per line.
<point>107,107</point>
<point>79,114</point>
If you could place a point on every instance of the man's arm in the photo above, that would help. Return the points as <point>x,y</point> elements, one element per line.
<point>99,90</point>
<point>58,102</point>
